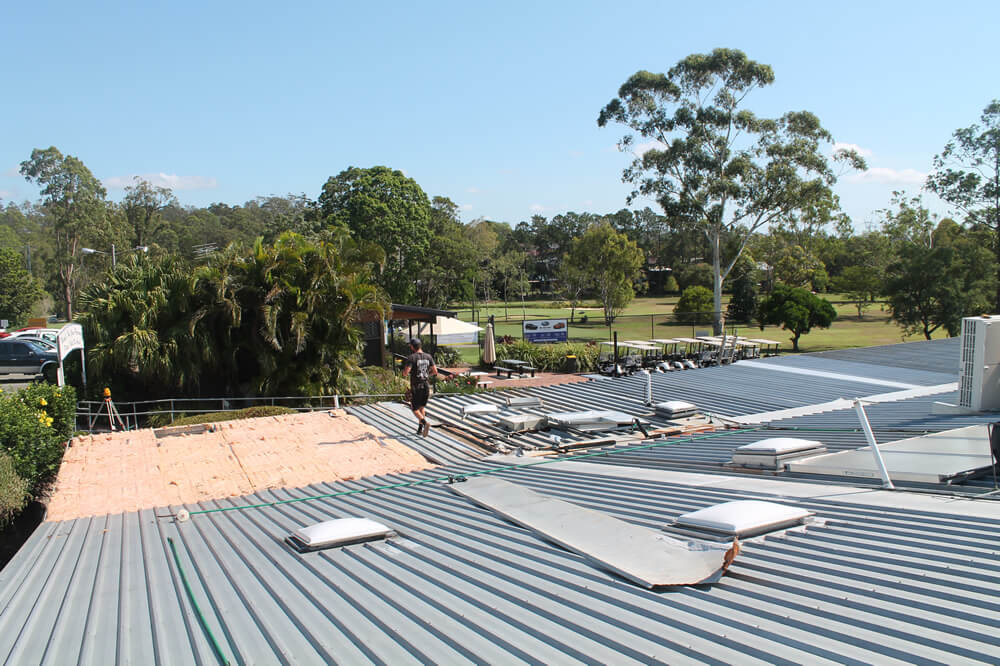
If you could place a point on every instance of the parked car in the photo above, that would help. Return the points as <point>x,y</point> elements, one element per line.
<point>49,334</point>
<point>45,343</point>
<point>27,357</point>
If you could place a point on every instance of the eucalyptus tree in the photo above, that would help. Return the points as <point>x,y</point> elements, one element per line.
<point>967,175</point>
<point>709,162</point>
<point>448,272</point>
<point>611,263</point>
<point>143,205</point>
<point>74,199</point>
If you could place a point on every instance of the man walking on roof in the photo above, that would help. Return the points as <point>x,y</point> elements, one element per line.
<point>420,367</point>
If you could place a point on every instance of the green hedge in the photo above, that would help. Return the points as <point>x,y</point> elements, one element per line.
<point>236,415</point>
<point>34,426</point>
<point>13,491</point>
<point>551,357</point>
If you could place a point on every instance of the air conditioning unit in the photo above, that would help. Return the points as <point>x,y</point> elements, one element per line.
<point>979,369</point>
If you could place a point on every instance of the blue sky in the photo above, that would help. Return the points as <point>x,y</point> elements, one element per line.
<point>494,106</point>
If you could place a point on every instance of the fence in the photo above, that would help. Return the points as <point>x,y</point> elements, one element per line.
<point>590,324</point>
<point>93,413</point>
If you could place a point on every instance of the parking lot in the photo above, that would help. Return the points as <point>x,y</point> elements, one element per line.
<point>11,383</point>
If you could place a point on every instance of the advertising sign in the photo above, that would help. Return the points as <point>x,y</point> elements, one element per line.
<point>545,330</point>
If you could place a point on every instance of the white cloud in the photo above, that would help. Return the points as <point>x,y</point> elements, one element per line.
<point>171,180</point>
<point>864,152</point>
<point>538,208</point>
<point>576,154</point>
<point>889,176</point>
<point>641,149</point>
<point>6,194</point>
<point>466,206</point>
<point>12,172</point>
<point>472,190</point>
<point>588,202</point>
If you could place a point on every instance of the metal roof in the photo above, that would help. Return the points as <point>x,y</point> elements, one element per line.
<point>823,363</point>
<point>929,355</point>
<point>732,390</point>
<point>878,583</point>
<point>885,577</point>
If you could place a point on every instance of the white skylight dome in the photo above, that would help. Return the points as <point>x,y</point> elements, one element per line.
<point>744,517</point>
<point>781,445</point>
<point>339,532</point>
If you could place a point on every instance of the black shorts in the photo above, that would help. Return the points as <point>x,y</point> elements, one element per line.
<point>419,395</point>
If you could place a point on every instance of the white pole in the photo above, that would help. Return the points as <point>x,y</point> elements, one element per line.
<point>886,481</point>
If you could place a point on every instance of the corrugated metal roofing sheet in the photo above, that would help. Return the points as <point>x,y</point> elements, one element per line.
<point>825,364</point>
<point>460,585</point>
<point>929,355</point>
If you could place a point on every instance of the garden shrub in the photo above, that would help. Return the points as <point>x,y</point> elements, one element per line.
<point>236,415</point>
<point>13,491</point>
<point>34,426</point>
<point>455,384</point>
<point>551,357</point>
<point>695,306</point>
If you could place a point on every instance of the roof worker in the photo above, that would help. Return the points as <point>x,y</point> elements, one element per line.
<point>420,368</point>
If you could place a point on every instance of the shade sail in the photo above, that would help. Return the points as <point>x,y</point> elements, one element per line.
<point>451,331</point>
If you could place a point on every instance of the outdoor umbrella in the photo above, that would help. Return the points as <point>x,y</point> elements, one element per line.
<point>489,346</point>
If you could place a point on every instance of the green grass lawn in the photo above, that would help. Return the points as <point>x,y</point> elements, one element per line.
<point>647,318</point>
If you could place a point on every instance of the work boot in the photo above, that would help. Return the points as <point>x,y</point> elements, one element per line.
<point>420,427</point>
<point>426,428</point>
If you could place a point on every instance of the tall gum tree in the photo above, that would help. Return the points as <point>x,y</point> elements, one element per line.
<point>967,175</point>
<point>713,165</point>
<point>74,199</point>
<point>383,206</point>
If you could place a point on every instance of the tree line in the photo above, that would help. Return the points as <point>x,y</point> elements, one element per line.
<point>745,202</point>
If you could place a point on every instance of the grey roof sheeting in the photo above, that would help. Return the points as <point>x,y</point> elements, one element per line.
<point>437,447</point>
<point>929,355</point>
<point>460,585</point>
<point>839,430</point>
<point>862,369</point>
<point>732,390</point>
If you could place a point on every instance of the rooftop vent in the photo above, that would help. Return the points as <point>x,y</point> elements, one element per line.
<point>592,419</point>
<point>480,408</point>
<point>675,409</point>
<point>523,422</point>
<point>335,533</point>
<point>528,401</point>
<point>772,453</point>
<point>743,518</point>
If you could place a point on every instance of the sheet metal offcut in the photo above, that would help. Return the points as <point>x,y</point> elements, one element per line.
<point>644,556</point>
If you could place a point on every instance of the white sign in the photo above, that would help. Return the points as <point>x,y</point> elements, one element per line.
<point>4,323</point>
<point>70,338</point>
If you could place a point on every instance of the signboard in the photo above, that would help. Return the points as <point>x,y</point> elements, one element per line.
<point>70,338</point>
<point>545,330</point>
<point>38,322</point>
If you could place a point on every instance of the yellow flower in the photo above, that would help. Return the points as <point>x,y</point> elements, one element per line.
<point>43,402</point>
<point>48,421</point>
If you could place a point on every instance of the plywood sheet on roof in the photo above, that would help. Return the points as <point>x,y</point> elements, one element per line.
<point>127,471</point>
